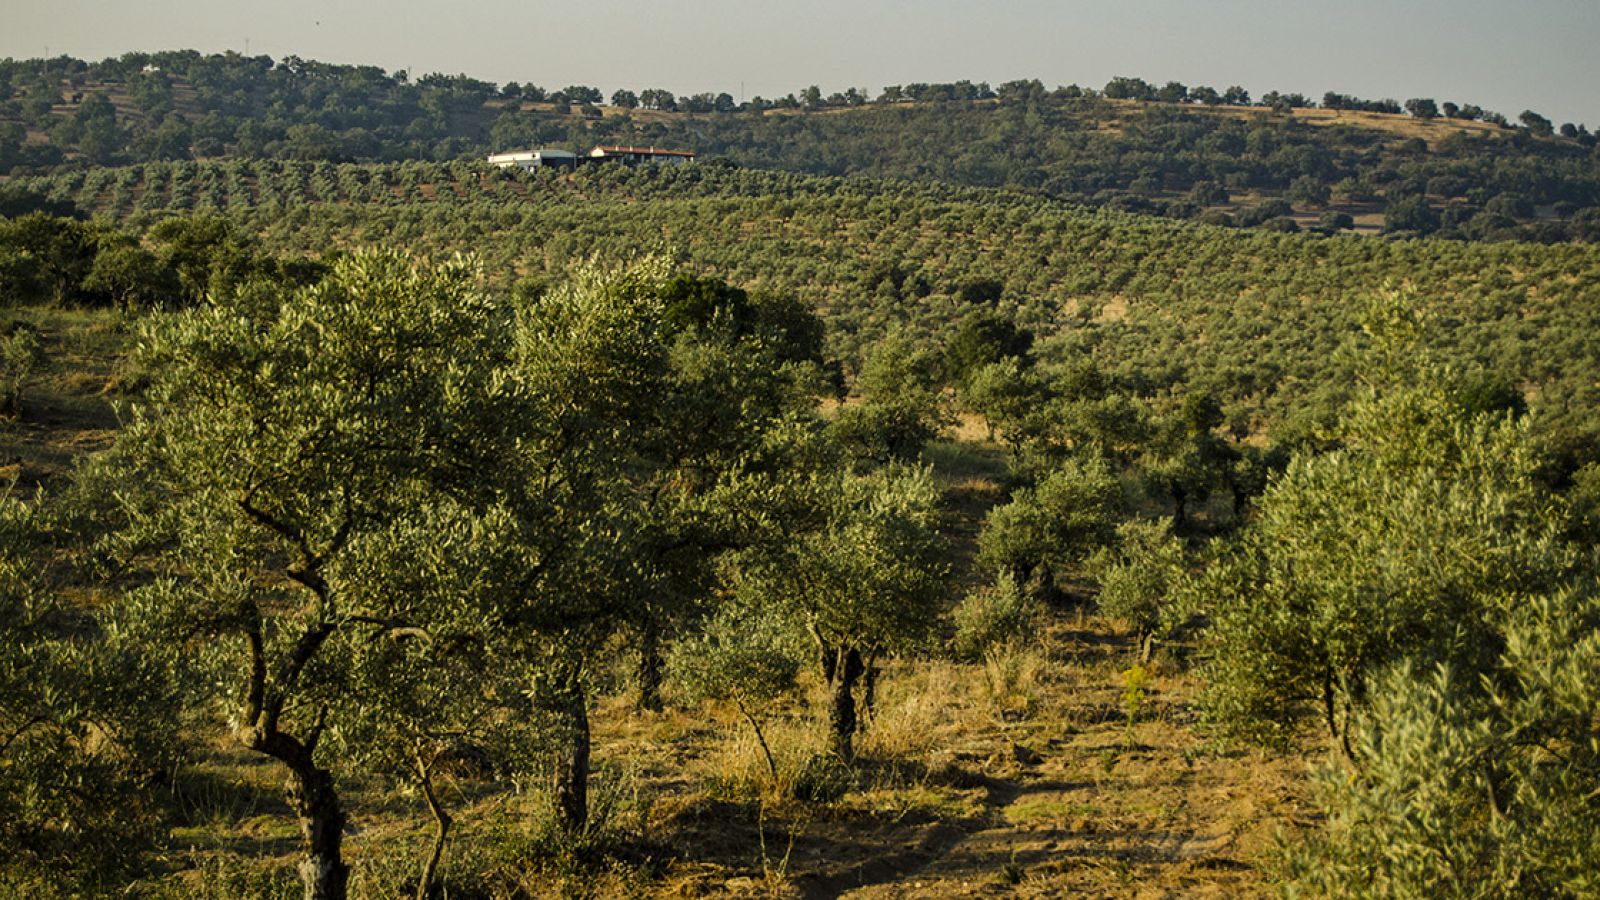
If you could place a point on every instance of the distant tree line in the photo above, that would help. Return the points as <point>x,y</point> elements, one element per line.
<point>1164,157</point>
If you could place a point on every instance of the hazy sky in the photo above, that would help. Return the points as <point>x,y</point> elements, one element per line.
<point>1500,54</point>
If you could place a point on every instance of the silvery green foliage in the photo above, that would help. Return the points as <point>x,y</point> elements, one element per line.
<point>435,684</point>
<point>1475,784</point>
<point>1136,576</point>
<point>1392,547</point>
<point>902,409</point>
<point>1415,589</point>
<point>288,439</point>
<point>86,719</point>
<point>282,439</point>
<point>860,562</point>
<point>1055,524</point>
<point>1005,392</point>
<point>994,616</point>
<point>872,575</point>
<point>861,567</point>
<point>745,655</point>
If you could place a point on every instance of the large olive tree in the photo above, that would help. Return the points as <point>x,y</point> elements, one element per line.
<point>1396,546</point>
<point>1418,590</point>
<point>739,369</point>
<point>283,437</point>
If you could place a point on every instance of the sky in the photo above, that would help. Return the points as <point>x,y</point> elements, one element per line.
<point>1502,55</point>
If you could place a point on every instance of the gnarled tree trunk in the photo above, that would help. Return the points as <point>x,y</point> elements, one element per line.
<point>869,687</point>
<point>310,790</point>
<point>315,803</point>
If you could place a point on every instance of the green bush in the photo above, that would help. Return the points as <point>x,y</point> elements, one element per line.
<point>86,723</point>
<point>21,352</point>
<point>1047,530</point>
<point>1416,588</point>
<point>1136,575</point>
<point>995,616</point>
<point>1471,792</point>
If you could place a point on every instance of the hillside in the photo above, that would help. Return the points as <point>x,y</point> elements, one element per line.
<point>1195,153</point>
<point>1253,318</point>
<point>1027,772</point>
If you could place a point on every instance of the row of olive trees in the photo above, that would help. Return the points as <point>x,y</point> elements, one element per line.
<point>394,518</point>
<point>64,261</point>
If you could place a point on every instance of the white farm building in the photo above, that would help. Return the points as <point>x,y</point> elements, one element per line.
<point>634,156</point>
<point>535,159</point>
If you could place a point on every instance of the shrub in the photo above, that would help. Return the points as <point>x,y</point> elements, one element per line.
<point>1048,529</point>
<point>994,616</point>
<point>21,352</point>
<point>1467,792</point>
<point>1135,576</point>
<point>744,657</point>
<point>85,723</point>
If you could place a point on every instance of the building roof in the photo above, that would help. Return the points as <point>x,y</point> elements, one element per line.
<point>533,154</point>
<point>611,149</point>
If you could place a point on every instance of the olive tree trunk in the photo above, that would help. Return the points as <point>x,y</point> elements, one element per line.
<point>442,823</point>
<point>571,773</point>
<point>843,671</point>
<point>315,803</point>
<point>650,667</point>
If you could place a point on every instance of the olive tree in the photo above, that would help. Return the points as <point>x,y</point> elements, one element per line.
<point>737,369</point>
<point>864,576</point>
<point>1392,547</point>
<point>437,696</point>
<point>1188,460</point>
<point>1419,589</point>
<point>744,655</point>
<point>87,719</point>
<point>563,548</point>
<point>21,353</point>
<point>1005,393</point>
<point>1137,575</point>
<point>1051,527</point>
<point>1474,783</point>
<point>282,438</point>
<point>902,408</point>
<point>995,616</point>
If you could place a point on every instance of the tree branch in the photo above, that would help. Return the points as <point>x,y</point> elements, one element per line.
<point>304,650</point>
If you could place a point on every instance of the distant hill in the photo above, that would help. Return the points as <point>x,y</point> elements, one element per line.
<point>1282,163</point>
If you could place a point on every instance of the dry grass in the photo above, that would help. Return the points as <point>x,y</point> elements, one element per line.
<point>67,404</point>
<point>1020,774</point>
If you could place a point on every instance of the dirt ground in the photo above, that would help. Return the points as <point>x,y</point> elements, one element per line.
<point>1020,777</point>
